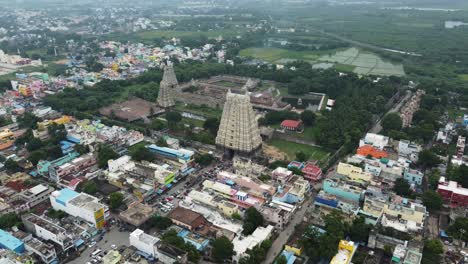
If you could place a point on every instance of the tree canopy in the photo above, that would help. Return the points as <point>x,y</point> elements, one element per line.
<point>105,153</point>
<point>115,200</point>
<point>223,249</point>
<point>402,187</point>
<point>392,121</point>
<point>252,220</point>
<point>432,200</point>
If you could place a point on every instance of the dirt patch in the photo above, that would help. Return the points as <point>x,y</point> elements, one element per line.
<point>64,61</point>
<point>274,153</point>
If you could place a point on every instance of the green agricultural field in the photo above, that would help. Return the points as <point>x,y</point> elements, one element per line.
<point>463,77</point>
<point>344,67</point>
<point>290,148</point>
<point>364,62</point>
<point>279,55</point>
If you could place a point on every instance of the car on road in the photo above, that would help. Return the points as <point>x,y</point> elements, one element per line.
<point>92,244</point>
<point>113,246</point>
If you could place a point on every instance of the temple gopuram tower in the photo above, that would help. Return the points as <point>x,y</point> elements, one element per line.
<point>238,130</point>
<point>167,87</point>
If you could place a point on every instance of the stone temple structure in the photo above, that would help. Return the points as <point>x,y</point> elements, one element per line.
<point>238,131</point>
<point>167,88</point>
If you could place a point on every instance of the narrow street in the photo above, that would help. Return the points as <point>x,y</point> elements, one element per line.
<point>283,237</point>
<point>378,127</point>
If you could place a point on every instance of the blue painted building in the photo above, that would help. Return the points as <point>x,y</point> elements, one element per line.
<point>342,190</point>
<point>7,241</point>
<point>182,155</point>
<point>413,176</point>
<point>200,243</point>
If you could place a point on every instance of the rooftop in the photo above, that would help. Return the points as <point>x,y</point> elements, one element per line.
<point>65,195</point>
<point>183,215</point>
<point>9,241</point>
<point>137,214</point>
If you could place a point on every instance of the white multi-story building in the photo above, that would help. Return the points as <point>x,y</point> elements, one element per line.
<point>80,205</point>
<point>121,164</point>
<point>48,230</point>
<point>33,196</point>
<point>144,242</point>
<point>375,140</point>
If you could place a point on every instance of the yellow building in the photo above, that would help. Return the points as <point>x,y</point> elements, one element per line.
<point>228,208</point>
<point>7,138</point>
<point>295,248</point>
<point>59,121</point>
<point>112,257</point>
<point>405,210</point>
<point>346,250</point>
<point>353,172</point>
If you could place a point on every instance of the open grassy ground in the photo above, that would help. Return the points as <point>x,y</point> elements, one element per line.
<point>290,148</point>
<point>310,133</point>
<point>463,77</point>
<point>192,122</point>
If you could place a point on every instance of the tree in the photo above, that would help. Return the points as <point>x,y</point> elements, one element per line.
<point>402,187</point>
<point>212,125</point>
<point>161,142</point>
<point>204,159</point>
<point>308,117</point>
<point>81,149</point>
<point>34,144</point>
<point>115,200</point>
<point>160,222</point>
<point>359,230</point>
<point>140,153</point>
<point>36,156</point>
<point>432,200</point>
<point>301,156</point>
<point>9,220</point>
<point>432,251</point>
<point>223,249</point>
<point>158,124</point>
<point>428,159</point>
<point>281,260</point>
<point>105,153</point>
<point>296,171</point>
<point>12,166</point>
<point>236,216</point>
<point>392,121</point>
<point>90,187</point>
<point>252,220</point>
<point>454,230</point>
<point>28,120</point>
<point>173,118</point>
<point>298,86</point>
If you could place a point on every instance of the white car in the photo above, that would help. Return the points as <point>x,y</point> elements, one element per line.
<point>92,244</point>
<point>114,247</point>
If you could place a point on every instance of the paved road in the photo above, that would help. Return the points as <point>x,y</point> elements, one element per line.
<point>113,237</point>
<point>378,127</point>
<point>366,45</point>
<point>283,237</point>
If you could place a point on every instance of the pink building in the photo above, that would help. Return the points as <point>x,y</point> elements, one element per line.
<point>312,172</point>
